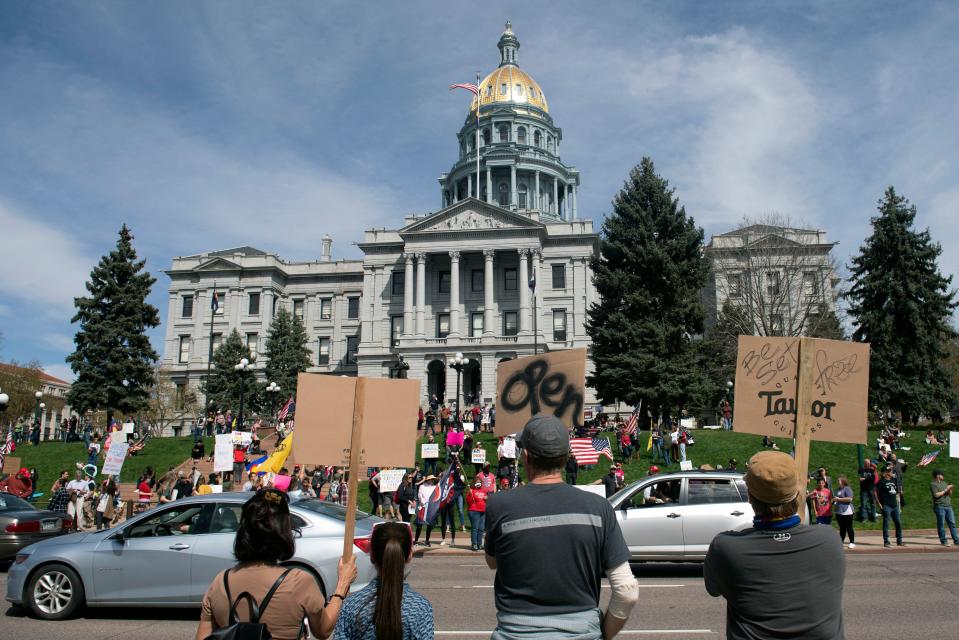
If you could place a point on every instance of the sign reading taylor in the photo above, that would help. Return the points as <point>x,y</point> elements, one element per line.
<point>766,372</point>
<point>552,382</point>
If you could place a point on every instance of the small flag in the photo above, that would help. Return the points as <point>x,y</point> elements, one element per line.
<point>215,300</point>
<point>929,457</point>
<point>469,86</point>
<point>288,408</point>
<point>588,450</point>
<point>632,421</point>
<point>532,281</point>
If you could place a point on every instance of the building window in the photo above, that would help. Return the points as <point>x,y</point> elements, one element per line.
<point>398,287</point>
<point>298,309</point>
<point>735,281</point>
<point>396,330</point>
<point>519,90</point>
<point>323,351</point>
<point>251,341</point>
<point>276,299</point>
<point>442,325</point>
<point>503,194</point>
<point>179,396</point>
<point>502,89</point>
<point>444,281</point>
<point>509,279</point>
<point>217,341</point>
<point>521,135</point>
<point>184,349</point>
<point>476,325</point>
<point>477,278</point>
<point>186,309</point>
<point>487,137</point>
<point>537,139</point>
<point>559,276</point>
<point>352,308</point>
<point>489,90</point>
<point>772,283</point>
<point>253,308</point>
<point>326,308</point>
<point>522,197</point>
<point>503,131</point>
<point>352,344</point>
<point>532,92</point>
<point>810,283</point>
<point>549,143</point>
<point>510,323</point>
<point>559,325</point>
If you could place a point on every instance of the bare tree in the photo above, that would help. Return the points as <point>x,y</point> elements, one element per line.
<point>169,404</point>
<point>781,279</point>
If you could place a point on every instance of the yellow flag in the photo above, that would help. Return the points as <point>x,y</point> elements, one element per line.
<point>277,459</point>
<point>649,443</point>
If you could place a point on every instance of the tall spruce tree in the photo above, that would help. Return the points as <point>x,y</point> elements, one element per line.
<point>113,359</point>
<point>648,276</point>
<point>225,384</point>
<point>286,351</point>
<point>901,304</point>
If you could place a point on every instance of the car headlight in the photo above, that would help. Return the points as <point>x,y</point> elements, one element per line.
<point>21,558</point>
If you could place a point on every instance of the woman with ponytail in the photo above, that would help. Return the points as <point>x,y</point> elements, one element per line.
<point>387,608</point>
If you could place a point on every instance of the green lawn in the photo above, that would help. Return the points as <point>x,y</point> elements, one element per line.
<point>717,447</point>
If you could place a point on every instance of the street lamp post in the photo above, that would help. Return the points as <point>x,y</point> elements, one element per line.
<point>273,389</point>
<point>729,389</point>
<point>242,367</point>
<point>4,401</point>
<point>458,363</point>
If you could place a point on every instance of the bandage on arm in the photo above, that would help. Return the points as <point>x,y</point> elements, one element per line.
<point>624,591</point>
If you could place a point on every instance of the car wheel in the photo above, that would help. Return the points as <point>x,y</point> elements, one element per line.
<point>54,592</point>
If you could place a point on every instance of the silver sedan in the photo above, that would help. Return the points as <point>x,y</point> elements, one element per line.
<point>168,556</point>
<point>674,516</point>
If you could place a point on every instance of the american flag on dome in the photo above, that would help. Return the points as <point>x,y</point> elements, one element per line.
<point>929,457</point>
<point>588,450</point>
<point>288,408</point>
<point>469,86</point>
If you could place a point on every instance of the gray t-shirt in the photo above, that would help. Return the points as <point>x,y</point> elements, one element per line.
<point>779,584</point>
<point>552,543</point>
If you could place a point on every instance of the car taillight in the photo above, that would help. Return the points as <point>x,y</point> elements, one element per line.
<point>66,524</point>
<point>30,526</point>
<point>363,544</point>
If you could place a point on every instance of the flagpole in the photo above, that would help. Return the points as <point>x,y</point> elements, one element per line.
<point>209,359</point>
<point>478,137</point>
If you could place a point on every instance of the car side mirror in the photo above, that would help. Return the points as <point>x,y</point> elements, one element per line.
<point>624,505</point>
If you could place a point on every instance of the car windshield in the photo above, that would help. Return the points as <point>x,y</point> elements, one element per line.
<point>13,503</point>
<point>330,509</point>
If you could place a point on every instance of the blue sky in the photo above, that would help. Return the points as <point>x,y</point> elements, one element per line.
<point>206,125</point>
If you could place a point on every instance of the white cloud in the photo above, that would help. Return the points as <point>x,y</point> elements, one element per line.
<point>62,371</point>
<point>59,342</point>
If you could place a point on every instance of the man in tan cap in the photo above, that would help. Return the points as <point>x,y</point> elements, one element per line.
<point>780,579</point>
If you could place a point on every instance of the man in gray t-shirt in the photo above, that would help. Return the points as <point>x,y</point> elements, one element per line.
<point>550,544</point>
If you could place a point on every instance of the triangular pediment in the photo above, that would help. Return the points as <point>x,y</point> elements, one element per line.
<point>771,241</point>
<point>470,215</point>
<point>218,264</point>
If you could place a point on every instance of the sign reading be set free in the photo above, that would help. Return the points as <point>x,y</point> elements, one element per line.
<point>766,372</point>
<point>553,382</point>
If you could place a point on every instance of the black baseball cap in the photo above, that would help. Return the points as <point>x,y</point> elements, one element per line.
<point>544,436</point>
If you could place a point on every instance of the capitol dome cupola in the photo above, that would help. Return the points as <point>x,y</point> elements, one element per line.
<point>508,46</point>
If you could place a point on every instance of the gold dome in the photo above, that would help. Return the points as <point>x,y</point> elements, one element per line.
<point>508,84</point>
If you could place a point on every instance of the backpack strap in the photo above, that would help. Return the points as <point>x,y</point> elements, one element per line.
<point>229,598</point>
<point>269,594</point>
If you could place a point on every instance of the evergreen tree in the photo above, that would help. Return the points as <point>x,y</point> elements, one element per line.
<point>286,351</point>
<point>826,326</point>
<point>113,359</point>
<point>224,386</point>
<point>717,352</point>
<point>901,304</point>
<point>648,276</point>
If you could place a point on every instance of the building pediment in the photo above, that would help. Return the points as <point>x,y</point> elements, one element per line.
<point>470,215</point>
<point>218,264</point>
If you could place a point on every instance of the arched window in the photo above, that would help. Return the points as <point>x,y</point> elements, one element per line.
<point>503,194</point>
<point>532,93</point>
<point>549,143</point>
<point>502,89</point>
<point>519,90</point>
<point>469,145</point>
<point>487,136</point>
<point>537,139</point>
<point>503,131</point>
<point>522,197</point>
<point>521,135</point>
<point>489,90</point>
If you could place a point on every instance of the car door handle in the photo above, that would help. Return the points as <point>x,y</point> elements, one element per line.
<point>673,515</point>
<point>179,546</point>
<point>736,513</point>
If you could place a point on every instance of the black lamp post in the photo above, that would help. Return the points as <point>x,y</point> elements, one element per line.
<point>458,363</point>
<point>242,367</point>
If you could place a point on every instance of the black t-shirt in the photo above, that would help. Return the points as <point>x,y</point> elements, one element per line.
<point>184,489</point>
<point>609,481</point>
<point>888,491</point>
<point>870,480</point>
<point>571,465</point>
<point>552,543</point>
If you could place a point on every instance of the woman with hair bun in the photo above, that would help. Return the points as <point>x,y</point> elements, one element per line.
<point>387,608</point>
<point>265,539</point>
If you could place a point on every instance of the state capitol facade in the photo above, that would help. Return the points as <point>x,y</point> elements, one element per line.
<point>455,280</point>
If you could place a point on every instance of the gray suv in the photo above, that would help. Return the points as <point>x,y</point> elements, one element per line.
<point>674,516</point>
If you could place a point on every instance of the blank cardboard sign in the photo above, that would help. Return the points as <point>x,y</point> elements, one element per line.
<point>766,371</point>
<point>553,382</point>
<point>324,420</point>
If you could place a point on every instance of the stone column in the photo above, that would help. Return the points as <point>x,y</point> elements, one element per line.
<point>579,298</point>
<point>512,186</point>
<point>456,191</point>
<point>420,295</point>
<point>536,256</point>
<point>555,195</point>
<point>488,286</point>
<point>408,297</point>
<point>366,304</point>
<point>376,309</point>
<point>489,185</point>
<point>455,293</point>
<point>523,284</point>
<point>575,210</point>
<point>469,185</point>
<point>537,205</point>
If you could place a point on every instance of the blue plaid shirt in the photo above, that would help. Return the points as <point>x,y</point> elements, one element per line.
<point>355,621</point>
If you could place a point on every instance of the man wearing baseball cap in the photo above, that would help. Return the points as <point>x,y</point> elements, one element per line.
<point>781,578</point>
<point>550,544</point>
<point>20,485</point>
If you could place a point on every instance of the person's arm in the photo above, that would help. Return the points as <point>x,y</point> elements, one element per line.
<point>625,594</point>
<point>323,621</point>
<point>491,562</point>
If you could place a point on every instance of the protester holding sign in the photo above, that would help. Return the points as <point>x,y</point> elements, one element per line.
<point>781,576</point>
<point>531,527</point>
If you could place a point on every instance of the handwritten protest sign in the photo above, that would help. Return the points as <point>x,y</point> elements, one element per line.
<point>113,462</point>
<point>686,465</point>
<point>954,444</point>
<point>766,379</point>
<point>509,448</point>
<point>552,382</point>
<point>223,452</point>
<point>117,437</point>
<point>242,438</point>
<point>282,482</point>
<point>455,439</point>
<point>390,479</point>
<point>11,464</point>
<point>479,456</point>
<point>429,451</point>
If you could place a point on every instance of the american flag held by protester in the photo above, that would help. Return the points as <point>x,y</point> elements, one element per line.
<point>588,450</point>
<point>928,458</point>
<point>288,408</point>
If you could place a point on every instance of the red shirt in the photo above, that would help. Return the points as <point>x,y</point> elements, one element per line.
<point>476,500</point>
<point>475,411</point>
<point>488,480</point>
<point>144,490</point>
<point>239,454</point>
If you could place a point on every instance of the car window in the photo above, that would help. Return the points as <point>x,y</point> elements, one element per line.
<point>298,522</point>
<point>658,494</point>
<point>329,509</point>
<point>226,518</point>
<point>9,502</point>
<point>189,519</point>
<point>719,491</point>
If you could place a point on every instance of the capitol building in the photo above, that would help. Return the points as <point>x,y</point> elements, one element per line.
<point>454,280</point>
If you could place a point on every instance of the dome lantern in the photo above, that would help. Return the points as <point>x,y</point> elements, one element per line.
<point>508,46</point>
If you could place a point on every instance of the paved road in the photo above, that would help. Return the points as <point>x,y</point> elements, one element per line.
<point>887,595</point>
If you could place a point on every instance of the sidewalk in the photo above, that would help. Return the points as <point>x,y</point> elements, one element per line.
<point>916,541</point>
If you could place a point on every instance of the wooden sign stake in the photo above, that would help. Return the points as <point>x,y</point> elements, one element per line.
<point>356,443</point>
<point>804,419</point>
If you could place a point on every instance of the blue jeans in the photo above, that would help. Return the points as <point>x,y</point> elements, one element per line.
<point>945,516</point>
<point>659,451</point>
<point>429,466</point>
<point>478,524</point>
<point>682,451</point>
<point>893,513</point>
<point>868,506</point>
<point>460,503</point>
